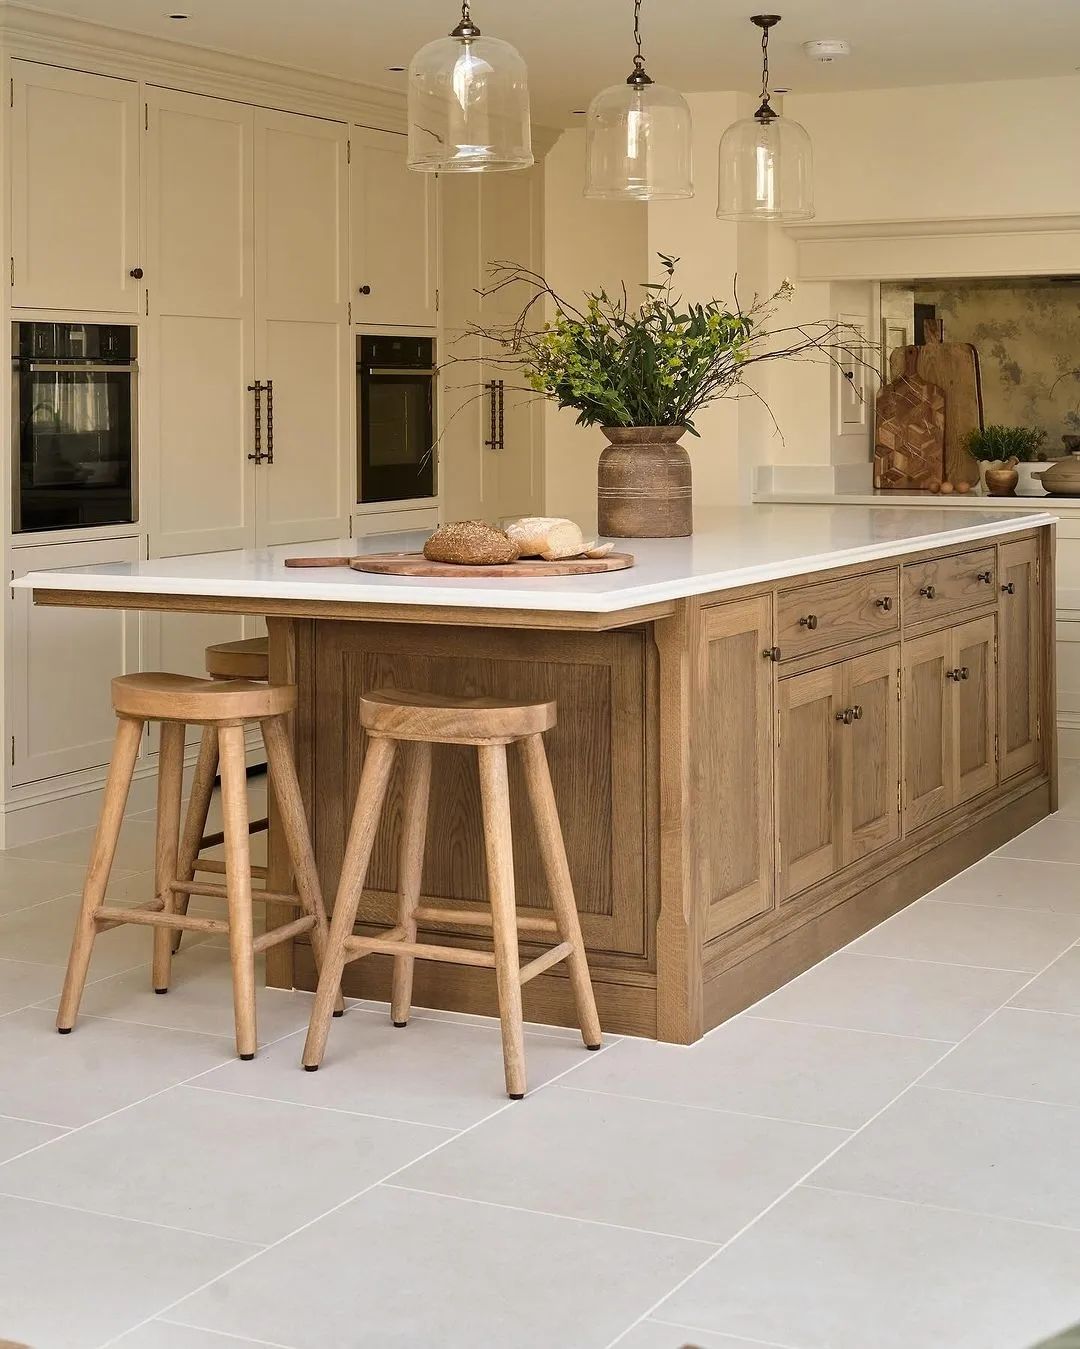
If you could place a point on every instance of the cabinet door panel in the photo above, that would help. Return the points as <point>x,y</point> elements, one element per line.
<point>738,765</point>
<point>975,723</point>
<point>1020,658</point>
<point>61,663</point>
<point>75,189</point>
<point>809,797</point>
<point>928,729</point>
<point>393,232</point>
<point>872,753</point>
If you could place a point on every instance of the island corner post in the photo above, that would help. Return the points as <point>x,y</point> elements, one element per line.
<point>742,790</point>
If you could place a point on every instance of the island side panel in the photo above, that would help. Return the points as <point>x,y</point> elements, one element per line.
<point>602,755</point>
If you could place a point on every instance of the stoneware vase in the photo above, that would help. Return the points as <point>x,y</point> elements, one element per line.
<point>643,487</point>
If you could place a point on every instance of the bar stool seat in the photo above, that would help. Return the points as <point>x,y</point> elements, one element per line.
<point>247,659</point>
<point>406,722</point>
<point>223,708</point>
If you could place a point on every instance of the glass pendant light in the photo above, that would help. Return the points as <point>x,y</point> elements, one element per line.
<point>468,104</point>
<point>637,138</point>
<point>766,163</point>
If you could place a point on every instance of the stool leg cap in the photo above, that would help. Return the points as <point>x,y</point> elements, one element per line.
<point>401,1024</point>
<point>594,1046</point>
<point>341,1013</point>
<point>160,991</point>
<point>247,1057</point>
<point>63,1030</point>
<point>311,1067</point>
<point>516,1095</point>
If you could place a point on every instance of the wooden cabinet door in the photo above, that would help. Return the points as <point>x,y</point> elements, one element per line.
<point>1020,658</point>
<point>62,661</point>
<point>975,718</point>
<point>927,728</point>
<point>303,342</point>
<point>808,779</point>
<point>393,232</point>
<point>197,408</point>
<point>74,190</point>
<point>737,839</point>
<point>871,753</point>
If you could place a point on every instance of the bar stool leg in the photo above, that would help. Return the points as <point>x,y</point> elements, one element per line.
<point>117,784</point>
<point>499,854</point>
<point>298,840</point>
<point>560,885</point>
<point>170,788</point>
<point>374,778</point>
<point>202,789</point>
<point>238,884</point>
<point>410,870</point>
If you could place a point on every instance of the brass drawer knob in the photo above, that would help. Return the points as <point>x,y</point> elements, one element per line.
<point>928,592</point>
<point>847,716</point>
<point>986,577</point>
<point>856,713</point>
<point>884,604</point>
<point>1009,588</point>
<point>810,621</point>
<point>771,653</point>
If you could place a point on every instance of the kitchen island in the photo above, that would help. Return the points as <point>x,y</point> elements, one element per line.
<point>771,735</point>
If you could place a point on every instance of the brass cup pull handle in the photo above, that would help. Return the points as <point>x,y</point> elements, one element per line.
<point>771,653</point>
<point>986,577</point>
<point>810,621</point>
<point>928,592</point>
<point>856,713</point>
<point>884,604</point>
<point>1009,588</point>
<point>847,716</point>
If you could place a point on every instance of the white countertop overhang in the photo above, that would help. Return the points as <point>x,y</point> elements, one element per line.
<point>731,547</point>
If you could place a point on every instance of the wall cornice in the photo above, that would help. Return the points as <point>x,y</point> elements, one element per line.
<point>928,227</point>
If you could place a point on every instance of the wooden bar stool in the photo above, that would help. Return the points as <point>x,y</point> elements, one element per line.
<point>223,707</point>
<point>247,659</point>
<point>412,722</point>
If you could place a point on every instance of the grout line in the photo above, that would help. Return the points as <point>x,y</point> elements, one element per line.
<point>44,1123</point>
<point>1002,1096</point>
<point>944,1208</point>
<point>146,1025</point>
<point>805,1179</point>
<point>700,1330</point>
<point>713,1109</point>
<point>225,1334</point>
<point>123,1218</point>
<point>854,1030</point>
<point>549,1213</point>
<point>958,964</point>
<point>330,1109</point>
<point>506,1105</point>
<point>1041,1011</point>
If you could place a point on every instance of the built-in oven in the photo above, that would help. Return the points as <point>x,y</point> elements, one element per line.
<point>75,419</point>
<point>395,422</point>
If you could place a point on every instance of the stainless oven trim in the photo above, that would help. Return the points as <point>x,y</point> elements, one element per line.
<point>77,367</point>
<point>430,374</point>
<point>399,370</point>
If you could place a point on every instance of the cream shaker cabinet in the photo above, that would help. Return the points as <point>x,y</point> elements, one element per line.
<point>74,190</point>
<point>393,224</point>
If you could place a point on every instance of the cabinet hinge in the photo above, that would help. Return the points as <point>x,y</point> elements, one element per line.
<point>12,585</point>
<point>13,751</point>
<point>350,313</point>
<point>148,302</point>
<point>1038,569</point>
<point>436,299</point>
<point>146,116</point>
<point>12,271</point>
<point>899,797</point>
<point>348,152</point>
<point>11,95</point>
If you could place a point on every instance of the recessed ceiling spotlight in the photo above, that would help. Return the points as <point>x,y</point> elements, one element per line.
<point>397,70</point>
<point>178,16</point>
<point>579,112</point>
<point>827,49</point>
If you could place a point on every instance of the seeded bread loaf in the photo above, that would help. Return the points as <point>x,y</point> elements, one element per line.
<point>472,543</point>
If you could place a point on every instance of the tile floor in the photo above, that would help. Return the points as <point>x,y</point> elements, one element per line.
<point>885,1154</point>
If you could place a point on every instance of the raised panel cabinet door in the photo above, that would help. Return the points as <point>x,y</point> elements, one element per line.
<point>871,753</point>
<point>975,723</point>
<point>62,662</point>
<point>810,831</point>
<point>737,729</point>
<point>303,341</point>
<point>198,408</point>
<point>1020,658</point>
<point>74,190</point>
<point>393,226</point>
<point>928,711</point>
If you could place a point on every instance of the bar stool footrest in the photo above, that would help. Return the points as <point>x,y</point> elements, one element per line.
<point>213,891</point>
<point>480,917</point>
<point>284,933</point>
<point>217,868</point>
<point>156,917</point>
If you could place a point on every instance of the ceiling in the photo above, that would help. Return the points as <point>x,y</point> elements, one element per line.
<point>575,46</point>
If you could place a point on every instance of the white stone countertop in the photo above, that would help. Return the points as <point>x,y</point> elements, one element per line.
<point>735,546</point>
<point>953,501</point>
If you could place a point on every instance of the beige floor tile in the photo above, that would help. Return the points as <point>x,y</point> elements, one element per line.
<point>1014,883</point>
<point>1057,988</point>
<point>1004,939</point>
<point>1033,1056</point>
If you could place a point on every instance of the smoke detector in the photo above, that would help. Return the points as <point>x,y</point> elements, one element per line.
<point>827,49</point>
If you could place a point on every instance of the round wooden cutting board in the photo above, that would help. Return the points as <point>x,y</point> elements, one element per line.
<point>416,564</point>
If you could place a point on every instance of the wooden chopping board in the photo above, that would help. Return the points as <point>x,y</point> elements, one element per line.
<point>416,564</point>
<point>909,435</point>
<point>954,368</point>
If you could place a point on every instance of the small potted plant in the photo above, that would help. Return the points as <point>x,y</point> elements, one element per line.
<point>996,446</point>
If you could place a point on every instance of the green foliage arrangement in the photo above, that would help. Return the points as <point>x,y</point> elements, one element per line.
<point>1005,442</point>
<point>656,362</point>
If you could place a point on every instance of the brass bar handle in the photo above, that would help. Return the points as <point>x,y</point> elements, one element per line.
<point>1009,588</point>
<point>269,455</point>
<point>810,621</point>
<point>884,604</point>
<point>771,653</point>
<point>986,577</point>
<point>257,389</point>
<point>928,592</point>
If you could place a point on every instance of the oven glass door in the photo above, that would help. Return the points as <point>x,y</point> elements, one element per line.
<point>76,436</point>
<point>397,430</point>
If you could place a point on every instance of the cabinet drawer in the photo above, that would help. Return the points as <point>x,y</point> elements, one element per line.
<point>812,617</point>
<point>945,584</point>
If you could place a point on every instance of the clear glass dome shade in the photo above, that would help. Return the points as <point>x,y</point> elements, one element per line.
<point>469,107</point>
<point>638,144</point>
<point>766,171</point>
